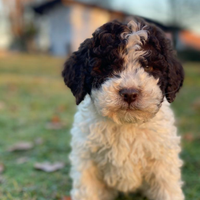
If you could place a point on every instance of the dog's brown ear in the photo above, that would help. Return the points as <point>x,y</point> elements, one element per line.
<point>175,78</point>
<point>76,72</point>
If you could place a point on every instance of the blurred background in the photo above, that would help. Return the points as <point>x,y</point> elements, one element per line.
<point>59,26</point>
<point>36,109</point>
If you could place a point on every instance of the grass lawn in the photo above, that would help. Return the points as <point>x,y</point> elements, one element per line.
<point>33,97</point>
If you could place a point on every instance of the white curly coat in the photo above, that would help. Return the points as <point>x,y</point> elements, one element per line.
<point>107,157</point>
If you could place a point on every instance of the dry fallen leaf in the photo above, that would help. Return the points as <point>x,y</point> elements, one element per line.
<point>2,168</point>
<point>21,146</point>
<point>38,141</point>
<point>55,119</point>
<point>189,137</point>
<point>49,167</point>
<point>196,104</point>
<point>22,160</point>
<point>66,198</point>
<point>54,126</point>
<point>55,123</point>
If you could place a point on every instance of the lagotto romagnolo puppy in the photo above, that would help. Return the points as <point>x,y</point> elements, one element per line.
<point>123,138</point>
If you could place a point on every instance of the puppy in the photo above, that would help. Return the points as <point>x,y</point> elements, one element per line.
<point>123,137</point>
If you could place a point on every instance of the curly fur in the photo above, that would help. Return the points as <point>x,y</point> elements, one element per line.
<point>118,146</point>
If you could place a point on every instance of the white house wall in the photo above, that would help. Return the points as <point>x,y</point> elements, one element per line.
<point>59,30</point>
<point>85,21</point>
<point>70,25</point>
<point>43,37</point>
<point>5,33</point>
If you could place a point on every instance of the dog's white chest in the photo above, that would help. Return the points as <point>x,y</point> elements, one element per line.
<point>121,154</point>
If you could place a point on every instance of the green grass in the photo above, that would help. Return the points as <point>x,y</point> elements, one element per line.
<point>32,92</point>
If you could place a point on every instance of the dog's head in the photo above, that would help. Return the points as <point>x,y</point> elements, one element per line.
<point>127,69</point>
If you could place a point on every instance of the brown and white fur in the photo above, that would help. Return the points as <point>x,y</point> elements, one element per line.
<point>119,145</point>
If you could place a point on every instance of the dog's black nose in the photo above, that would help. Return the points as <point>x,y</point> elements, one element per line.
<point>129,95</point>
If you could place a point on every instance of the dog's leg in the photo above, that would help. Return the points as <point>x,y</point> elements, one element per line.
<point>87,184</point>
<point>164,181</point>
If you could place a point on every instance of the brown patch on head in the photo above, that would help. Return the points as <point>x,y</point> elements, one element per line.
<point>97,59</point>
<point>158,58</point>
<point>108,51</point>
<point>116,45</point>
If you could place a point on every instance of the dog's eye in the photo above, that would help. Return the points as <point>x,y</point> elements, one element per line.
<point>148,69</point>
<point>117,76</point>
